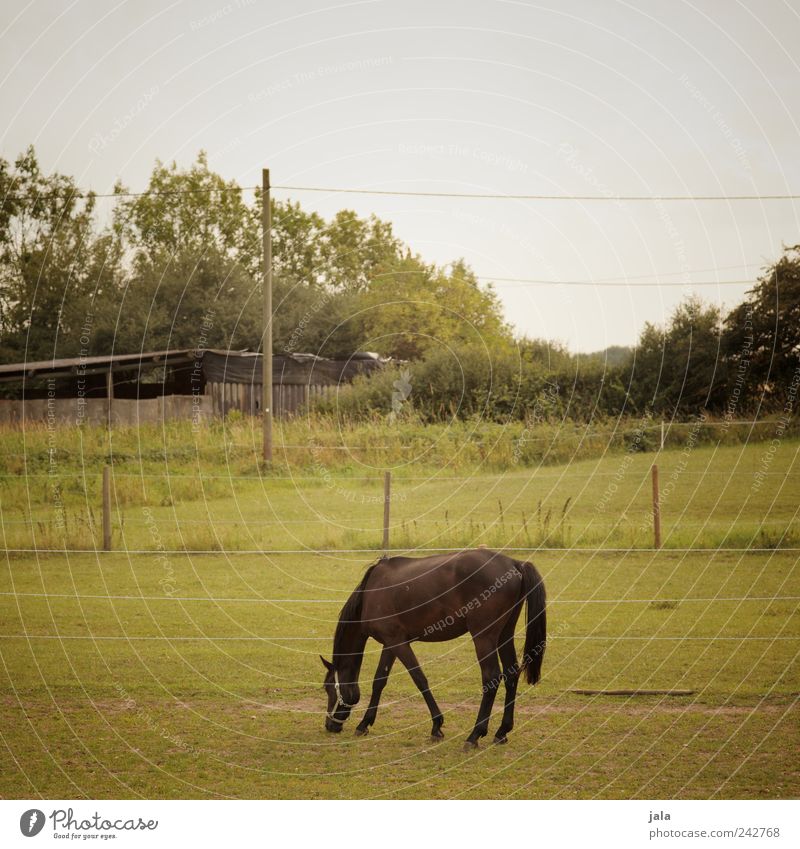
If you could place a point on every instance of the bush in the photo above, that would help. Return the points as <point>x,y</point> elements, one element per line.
<point>504,383</point>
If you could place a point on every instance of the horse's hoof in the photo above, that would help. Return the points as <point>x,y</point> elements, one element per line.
<point>437,737</point>
<point>469,746</point>
<point>500,741</point>
<point>362,732</point>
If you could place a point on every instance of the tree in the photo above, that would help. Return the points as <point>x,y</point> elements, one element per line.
<point>187,210</point>
<point>183,299</point>
<point>357,251</point>
<point>192,221</point>
<point>50,264</point>
<point>415,307</point>
<point>679,368</point>
<point>762,334</point>
<point>298,253</point>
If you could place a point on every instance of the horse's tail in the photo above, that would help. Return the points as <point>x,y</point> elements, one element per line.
<point>536,625</point>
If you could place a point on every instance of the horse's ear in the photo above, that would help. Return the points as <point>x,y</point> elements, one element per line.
<point>326,663</point>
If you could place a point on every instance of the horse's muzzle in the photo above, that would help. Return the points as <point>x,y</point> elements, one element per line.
<point>333,726</point>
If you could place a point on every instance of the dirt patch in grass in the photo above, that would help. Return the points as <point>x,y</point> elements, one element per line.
<point>633,706</point>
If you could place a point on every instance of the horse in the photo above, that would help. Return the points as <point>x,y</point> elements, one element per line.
<point>403,600</point>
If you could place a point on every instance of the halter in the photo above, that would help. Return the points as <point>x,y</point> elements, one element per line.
<point>340,702</point>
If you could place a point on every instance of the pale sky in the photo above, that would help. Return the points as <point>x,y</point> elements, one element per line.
<point>588,98</point>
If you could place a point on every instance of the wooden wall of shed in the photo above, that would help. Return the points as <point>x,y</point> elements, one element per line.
<point>287,398</point>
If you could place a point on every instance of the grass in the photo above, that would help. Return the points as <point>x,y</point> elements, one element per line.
<point>715,496</point>
<point>318,443</point>
<point>176,674</point>
<point>243,717</point>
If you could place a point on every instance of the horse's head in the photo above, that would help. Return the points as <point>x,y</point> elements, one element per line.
<point>342,697</point>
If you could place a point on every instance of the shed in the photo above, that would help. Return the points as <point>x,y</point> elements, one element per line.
<point>233,379</point>
<point>180,383</point>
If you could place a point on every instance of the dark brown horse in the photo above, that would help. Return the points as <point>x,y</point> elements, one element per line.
<point>401,600</point>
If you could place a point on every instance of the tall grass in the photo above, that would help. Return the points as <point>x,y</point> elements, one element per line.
<point>317,440</point>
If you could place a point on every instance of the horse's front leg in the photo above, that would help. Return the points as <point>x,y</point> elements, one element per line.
<point>409,660</point>
<point>486,649</point>
<point>381,677</point>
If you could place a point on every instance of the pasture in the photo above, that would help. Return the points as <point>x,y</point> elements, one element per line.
<point>183,665</point>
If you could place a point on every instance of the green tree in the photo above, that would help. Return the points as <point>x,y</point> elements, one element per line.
<point>182,299</point>
<point>298,252</point>
<point>192,221</point>
<point>186,210</point>
<point>679,368</point>
<point>50,263</point>
<point>357,251</point>
<point>415,307</point>
<point>762,335</point>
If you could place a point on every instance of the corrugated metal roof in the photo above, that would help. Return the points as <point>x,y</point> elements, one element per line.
<point>235,366</point>
<point>89,365</point>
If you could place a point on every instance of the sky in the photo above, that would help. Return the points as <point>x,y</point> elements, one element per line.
<point>597,98</point>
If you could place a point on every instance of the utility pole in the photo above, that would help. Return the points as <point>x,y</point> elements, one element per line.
<point>110,398</point>
<point>266,236</point>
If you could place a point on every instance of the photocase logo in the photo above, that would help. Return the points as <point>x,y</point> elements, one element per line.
<point>31,822</point>
<point>64,821</point>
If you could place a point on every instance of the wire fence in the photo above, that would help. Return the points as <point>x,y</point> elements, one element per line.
<point>316,638</point>
<point>524,527</point>
<point>334,554</point>
<point>527,474</point>
<point>335,601</point>
<point>410,550</point>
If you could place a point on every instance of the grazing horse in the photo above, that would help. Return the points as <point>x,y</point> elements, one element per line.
<point>402,600</point>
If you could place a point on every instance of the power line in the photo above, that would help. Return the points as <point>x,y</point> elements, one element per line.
<point>82,194</point>
<point>491,196</point>
<point>604,282</point>
<point>676,273</point>
<point>79,194</point>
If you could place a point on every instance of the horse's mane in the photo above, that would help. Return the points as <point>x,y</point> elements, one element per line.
<point>351,612</point>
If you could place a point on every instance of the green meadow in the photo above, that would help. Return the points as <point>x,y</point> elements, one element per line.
<point>184,663</point>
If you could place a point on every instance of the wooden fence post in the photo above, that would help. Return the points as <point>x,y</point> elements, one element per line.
<point>387,494</point>
<point>106,508</point>
<point>656,509</point>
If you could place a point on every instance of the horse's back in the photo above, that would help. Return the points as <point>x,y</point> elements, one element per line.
<point>437,597</point>
<point>458,565</point>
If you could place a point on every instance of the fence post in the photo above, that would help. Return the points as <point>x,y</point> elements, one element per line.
<point>387,494</point>
<point>662,434</point>
<point>656,509</point>
<point>106,508</point>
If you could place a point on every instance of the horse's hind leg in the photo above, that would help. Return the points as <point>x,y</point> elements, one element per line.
<point>407,657</point>
<point>508,657</point>
<point>381,677</point>
<point>486,649</point>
